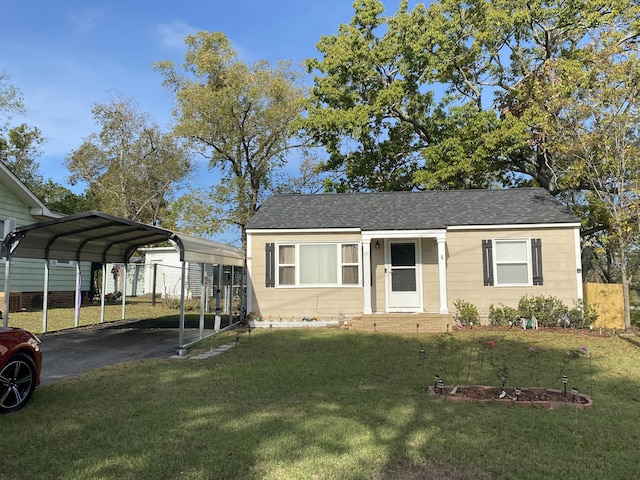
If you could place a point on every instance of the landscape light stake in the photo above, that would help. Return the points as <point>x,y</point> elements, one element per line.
<point>417,327</point>
<point>422,355</point>
<point>237,340</point>
<point>574,394</point>
<point>374,327</point>
<point>249,333</point>
<point>565,379</point>
<point>518,393</point>
<point>441,386</point>
<point>436,380</point>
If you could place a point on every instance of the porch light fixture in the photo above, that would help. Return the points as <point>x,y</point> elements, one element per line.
<point>377,244</point>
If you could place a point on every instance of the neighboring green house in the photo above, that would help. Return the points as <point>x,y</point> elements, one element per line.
<point>18,207</point>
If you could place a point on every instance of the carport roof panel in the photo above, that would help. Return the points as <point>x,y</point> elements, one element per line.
<point>98,237</point>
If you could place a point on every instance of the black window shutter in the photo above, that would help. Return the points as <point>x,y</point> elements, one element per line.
<point>487,262</point>
<point>536,260</point>
<point>270,261</point>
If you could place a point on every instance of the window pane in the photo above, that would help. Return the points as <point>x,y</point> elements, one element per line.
<point>513,273</point>
<point>318,264</point>
<point>287,254</point>
<point>511,251</point>
<point>349,253</point>
<point>349,275</point>
<point>287,275</point>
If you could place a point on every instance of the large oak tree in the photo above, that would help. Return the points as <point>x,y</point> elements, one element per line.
<point>239,116</point>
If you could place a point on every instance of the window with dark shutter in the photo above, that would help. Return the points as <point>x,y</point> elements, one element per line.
<point>536,260</point>
<point>270,264</point>
<point>487,262</point>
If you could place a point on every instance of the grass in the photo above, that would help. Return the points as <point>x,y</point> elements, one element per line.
<point>333,404</point>
<point>63,318</point>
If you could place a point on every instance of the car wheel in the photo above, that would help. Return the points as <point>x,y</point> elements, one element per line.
<point>17,382</point>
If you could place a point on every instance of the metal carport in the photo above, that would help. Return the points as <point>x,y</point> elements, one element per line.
<point>97,237</point>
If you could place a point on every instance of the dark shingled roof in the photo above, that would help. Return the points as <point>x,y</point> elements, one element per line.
<point>411,210</point>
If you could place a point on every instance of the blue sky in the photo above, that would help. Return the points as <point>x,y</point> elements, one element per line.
<point>64,56</point>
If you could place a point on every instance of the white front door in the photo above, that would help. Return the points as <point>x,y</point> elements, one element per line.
<point>403,278</point>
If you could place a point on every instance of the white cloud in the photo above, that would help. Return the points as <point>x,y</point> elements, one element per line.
<point>87,19</point>
<point>172,35</point>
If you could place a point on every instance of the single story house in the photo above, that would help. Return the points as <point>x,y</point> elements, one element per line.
<point>19,207</point>
<point>347,256</point>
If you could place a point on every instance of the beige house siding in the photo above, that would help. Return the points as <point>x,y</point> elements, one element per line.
<point>465,272</point>
<point>294,303</point>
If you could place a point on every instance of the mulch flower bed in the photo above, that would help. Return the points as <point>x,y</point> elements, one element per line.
<point>524,397</point>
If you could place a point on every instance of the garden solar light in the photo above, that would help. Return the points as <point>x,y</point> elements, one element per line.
<point>441,386</point>
<point>574,393</point>
<point>436,378</point>
<point>565,379</point>
<point>422,354</point>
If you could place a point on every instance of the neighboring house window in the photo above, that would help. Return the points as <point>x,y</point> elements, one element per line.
<point>62,263</point>
<point>318,264</point>
<point>512,262</point>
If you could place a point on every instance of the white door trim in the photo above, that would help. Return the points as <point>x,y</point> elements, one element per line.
<point>410,302</point>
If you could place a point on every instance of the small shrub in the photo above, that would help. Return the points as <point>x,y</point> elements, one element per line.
<point>548,310</point>
<point>581,316</point>
<point>501,316</point>
<point>467,312</point>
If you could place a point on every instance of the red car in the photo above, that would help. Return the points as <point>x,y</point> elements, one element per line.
<point>20,364</point>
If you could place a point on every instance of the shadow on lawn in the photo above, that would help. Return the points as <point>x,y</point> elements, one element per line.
<point>328,404</point>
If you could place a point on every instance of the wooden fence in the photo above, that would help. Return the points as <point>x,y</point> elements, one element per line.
<point>608,300</point>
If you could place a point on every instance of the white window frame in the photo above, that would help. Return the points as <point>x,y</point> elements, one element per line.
<point>339,265</point>
<point>527,243</point>
<point>63,263</point>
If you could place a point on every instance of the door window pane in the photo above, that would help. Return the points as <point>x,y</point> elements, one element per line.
<point>403,280</point>
<point>403,254</point>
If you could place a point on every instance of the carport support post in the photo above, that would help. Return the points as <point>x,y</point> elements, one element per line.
<point>181,335</point>
<point>103,290</point>
<point>45,296</point>
<point>78,294</point>
<point>216,326</point>
<point>124,289</point>
<point>203,295</point>
<point>7,290</point>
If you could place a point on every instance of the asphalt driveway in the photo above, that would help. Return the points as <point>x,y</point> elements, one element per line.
<point>70,352</point>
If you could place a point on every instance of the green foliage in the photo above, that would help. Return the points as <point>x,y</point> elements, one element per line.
<point>19,149</point>
<point>549,310</point>
<point>581,315</point>
<point>467,312</point>
<point>131,166</point>
<point>501,316</point>
<point>240,117</point>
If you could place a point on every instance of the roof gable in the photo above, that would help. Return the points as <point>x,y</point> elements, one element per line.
<point>26,196</point>
<point>433,209</point>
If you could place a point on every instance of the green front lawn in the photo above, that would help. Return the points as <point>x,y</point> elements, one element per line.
<point>335,404</point>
